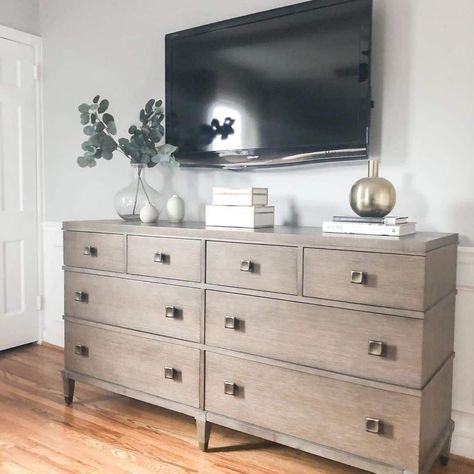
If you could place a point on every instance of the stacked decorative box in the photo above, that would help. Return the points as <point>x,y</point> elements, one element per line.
<point>240,207</point>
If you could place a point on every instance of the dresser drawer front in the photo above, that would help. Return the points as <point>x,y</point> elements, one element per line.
<point>168,310</point>
<point>177,259</point>
<point>94,251</point>
<point>318,409</point>
<point>253,266</point>
<point>134,362</point>
<point>332,339</point>
<point>395,281</point>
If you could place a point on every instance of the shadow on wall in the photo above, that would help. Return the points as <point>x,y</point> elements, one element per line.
<point>392,47</point>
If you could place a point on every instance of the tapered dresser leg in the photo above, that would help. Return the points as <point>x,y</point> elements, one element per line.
<point>444,455</point>
<point>69,385</point>
<point>204,433</point>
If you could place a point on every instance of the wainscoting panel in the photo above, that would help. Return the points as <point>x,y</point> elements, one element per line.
<point>463,390</point>
<point>53,298</point>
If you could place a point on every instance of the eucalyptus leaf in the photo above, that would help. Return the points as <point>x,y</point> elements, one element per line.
<point>93,118</point>
<point>86,146</point>
<point>149,106</point>
<point>96,99</point>
<point>89,130</point>
<point>111,128</point>
<point>143,118</point>
<point>107,155</point>
<point>166,149</point>
<point>99,127</point>
<point>81,161</point>
<point>94,140</point>
<point>85,119</point>
<point>103,106</point>
<point>106,118</point>
<point>84,108</point>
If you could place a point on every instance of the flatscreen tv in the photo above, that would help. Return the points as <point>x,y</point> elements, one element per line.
<point>281,87</point>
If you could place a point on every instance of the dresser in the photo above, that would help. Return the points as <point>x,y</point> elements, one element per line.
<point>337,345</point>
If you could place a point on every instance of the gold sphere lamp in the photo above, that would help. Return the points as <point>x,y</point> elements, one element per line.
<point>373,196</point>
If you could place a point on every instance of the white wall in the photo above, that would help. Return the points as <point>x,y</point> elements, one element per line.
<point>423,123</point>
<point>22,15</point>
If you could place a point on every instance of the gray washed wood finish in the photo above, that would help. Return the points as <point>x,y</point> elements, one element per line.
<point>416,244</point>
<point>135,304</point>
<point>301,350</point>
<point>331,338</point>
<point>182,257</point>
<point>134,362</point>
<point>110,251</point>
<point>315,409</point>
<point>274,267</point>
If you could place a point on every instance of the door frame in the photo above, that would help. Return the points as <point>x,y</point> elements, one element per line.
<point>36,43</point>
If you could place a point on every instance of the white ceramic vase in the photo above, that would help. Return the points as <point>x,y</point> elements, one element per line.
<point>149,213</point>
<point>175,208</point>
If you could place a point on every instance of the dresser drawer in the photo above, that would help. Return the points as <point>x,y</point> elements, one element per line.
<point>177,259</point>
<point>322,410</point>
<point>396,281</point>
<point>253,266</point>
<point>367,345</point>
<point>134,362</point>
<point>95,251</point>
<point>151,307</point>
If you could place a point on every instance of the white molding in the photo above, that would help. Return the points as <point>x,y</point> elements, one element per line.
<point>20,36</point>
<point>465,276</point>
<point>36,43</point>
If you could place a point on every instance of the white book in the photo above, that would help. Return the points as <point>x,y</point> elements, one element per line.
<point>251,217</point>
<point>239,196</point>
<point>369,229</point>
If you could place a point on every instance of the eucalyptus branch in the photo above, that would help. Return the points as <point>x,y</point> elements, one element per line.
<point>143,146</point>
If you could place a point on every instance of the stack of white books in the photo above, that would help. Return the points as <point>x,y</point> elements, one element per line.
<point>240,207</point>
<point>391,225</point>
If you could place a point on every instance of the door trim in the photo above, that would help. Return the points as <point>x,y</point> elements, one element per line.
<point>37,44</point>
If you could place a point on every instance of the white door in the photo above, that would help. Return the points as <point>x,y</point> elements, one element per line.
<point>19,319</point>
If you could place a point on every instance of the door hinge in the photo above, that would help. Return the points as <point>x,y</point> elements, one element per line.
<point>39,302</point>
<point>36,72</point>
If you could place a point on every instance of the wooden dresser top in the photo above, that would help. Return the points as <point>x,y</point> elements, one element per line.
<point>418,243</point>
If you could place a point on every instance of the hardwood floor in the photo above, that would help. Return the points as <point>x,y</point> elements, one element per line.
<point>107,433</point>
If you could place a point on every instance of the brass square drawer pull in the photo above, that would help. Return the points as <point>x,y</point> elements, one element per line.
<point>230,388</point>
<point>374,425</point>
<point>377,348</point>
<point>246,266</point>
<point>91,251</point>
<point>169,373</point>
<point>81,296</point>
<point>358,277</point>
<point>160,257</point>
<point>231,322</point>
<point>81,350</point>
<point>171,312</point>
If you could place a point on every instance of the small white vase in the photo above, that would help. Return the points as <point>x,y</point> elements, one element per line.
<point>149,213</point>
<point>175,208</point>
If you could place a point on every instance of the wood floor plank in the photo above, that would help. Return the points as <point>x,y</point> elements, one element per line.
<point>107,433</point>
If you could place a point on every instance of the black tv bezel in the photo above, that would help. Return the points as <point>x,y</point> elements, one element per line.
<point>275,157</point>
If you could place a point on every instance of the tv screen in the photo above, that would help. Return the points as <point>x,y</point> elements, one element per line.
<point>286,86</point>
